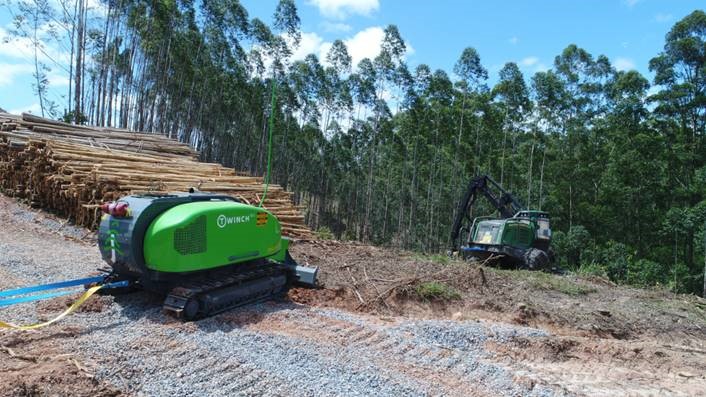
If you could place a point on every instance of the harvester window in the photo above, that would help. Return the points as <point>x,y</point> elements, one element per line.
<point>544,231</point>
<point>518,233</point>
<point>488,234</point>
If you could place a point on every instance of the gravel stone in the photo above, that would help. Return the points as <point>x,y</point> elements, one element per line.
<point>270,349</point>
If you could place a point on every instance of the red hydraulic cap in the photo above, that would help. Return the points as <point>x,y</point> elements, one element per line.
<point>116,209</point>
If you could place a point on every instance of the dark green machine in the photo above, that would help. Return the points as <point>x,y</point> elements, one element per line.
<point>516,237</point>
<point>206,252</point>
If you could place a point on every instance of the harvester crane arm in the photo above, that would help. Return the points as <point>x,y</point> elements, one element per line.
<point>503,201</point>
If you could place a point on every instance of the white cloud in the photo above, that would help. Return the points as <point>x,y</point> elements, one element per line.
<point>364,44</point>
<point>23,48</point>
<point>9,71</point>
<point>532,64</point>
<point>33,108</point>
<point>540,67</point>
<point>91,5</point>
<point>340,9</point>
<point>513,40</point>
<point>96,6</point>
<point>335,27</point>
<point>58,80</point>
<point>624,64</point>
<point>529,61</point>
<point>310,44</point>
<point>662,18</point>
<point>631,3</point>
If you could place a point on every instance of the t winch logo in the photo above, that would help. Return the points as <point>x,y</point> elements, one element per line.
<point>223,221</point>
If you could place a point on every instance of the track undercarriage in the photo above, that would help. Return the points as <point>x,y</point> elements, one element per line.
<point>217,291</point>
<point>195,296</point>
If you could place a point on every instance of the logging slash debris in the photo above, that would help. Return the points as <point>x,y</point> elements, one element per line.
<point>73,169</point>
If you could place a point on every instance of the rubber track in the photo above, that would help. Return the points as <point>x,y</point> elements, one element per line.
<point>199,287</point>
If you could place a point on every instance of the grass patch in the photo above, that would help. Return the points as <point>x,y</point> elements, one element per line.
<point>324,233</point>
<point>435,258</point>
<point>440,259</point>
<point>592,270</point>
<point>547,281</point>
<point>435,291</point>
<point>568,287</point>
<point>678,305</point>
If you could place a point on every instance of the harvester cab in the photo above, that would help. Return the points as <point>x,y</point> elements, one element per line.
<point>517,237</point>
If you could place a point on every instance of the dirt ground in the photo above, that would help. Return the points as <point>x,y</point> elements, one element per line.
<point>480,331</point>
<point>606,339</point>
<point>33,365</point>
<point>383,281</point>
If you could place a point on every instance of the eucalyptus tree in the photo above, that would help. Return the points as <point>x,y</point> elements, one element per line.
<point>472,75</point>
<point>513,97</point>
<point>364,86</point>
<point>286,21</point>
<point>378,152</point>
<point>628,182</point>
<point>35,22</point>
<point>441,167</point>
<point>392,52</point>
<point>339,58</point>
<point>340,63</point>
<point>680,74</point>
<point>333,83</point>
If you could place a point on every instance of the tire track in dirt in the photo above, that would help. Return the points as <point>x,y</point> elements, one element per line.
<point>437,369</point>
<point>288,349</point>
<point>607,367</point>
<point>184,367</point>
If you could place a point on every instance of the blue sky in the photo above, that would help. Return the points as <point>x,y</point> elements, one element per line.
<point>531,33</point>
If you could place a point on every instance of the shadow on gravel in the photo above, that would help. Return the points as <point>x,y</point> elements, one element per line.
<point>142,305</point>
<point>245,316</point>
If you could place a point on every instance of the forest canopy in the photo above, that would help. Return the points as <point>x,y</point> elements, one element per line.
<point>380,152</point>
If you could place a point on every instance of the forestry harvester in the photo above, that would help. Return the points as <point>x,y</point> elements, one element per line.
<point>206,252</point>
<point>516,237</point>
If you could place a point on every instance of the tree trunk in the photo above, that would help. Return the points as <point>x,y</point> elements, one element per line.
<point>529,179</point>
<point>79,62</point>
<point>541,178</point>
<point>37,76</point>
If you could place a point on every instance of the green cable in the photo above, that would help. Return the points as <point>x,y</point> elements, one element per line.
<point>269,140</point>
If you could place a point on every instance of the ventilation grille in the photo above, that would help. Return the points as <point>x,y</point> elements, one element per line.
<point>192,238</point>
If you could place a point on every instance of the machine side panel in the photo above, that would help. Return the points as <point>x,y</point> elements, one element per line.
<point>204,235</point>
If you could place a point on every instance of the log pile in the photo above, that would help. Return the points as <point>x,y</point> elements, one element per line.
<point>73,169</point>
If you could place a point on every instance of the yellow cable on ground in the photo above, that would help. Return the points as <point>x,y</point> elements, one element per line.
<point>89,292</point>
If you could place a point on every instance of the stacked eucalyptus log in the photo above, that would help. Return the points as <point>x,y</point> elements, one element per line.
<point>73,169</point>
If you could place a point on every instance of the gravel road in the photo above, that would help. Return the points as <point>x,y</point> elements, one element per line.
<point>274,348</point>
<point>125,345</point>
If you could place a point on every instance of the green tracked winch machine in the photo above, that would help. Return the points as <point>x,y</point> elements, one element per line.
<point>206,252</point>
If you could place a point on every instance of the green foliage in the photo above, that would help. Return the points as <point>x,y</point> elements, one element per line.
<point>324,233</point>
<point>70,117</point>
<point>570,246</point>
<point>644,272</point>
<point>613,258</point>
<point>380,153</point>
<point>592,269</point>
<point>436,291</point>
